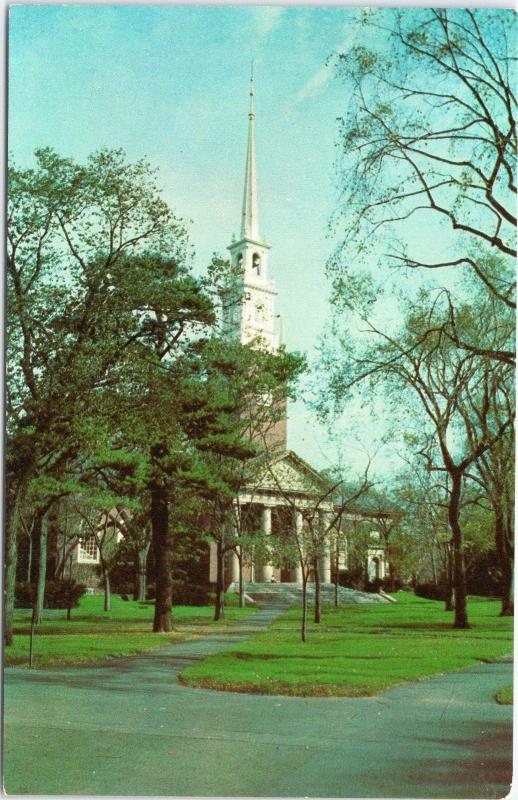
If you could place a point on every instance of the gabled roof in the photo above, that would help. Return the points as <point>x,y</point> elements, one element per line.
<point>287,472</point>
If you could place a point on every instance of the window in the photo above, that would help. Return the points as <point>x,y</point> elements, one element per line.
<point>256,263</point>
<point>87,550</point>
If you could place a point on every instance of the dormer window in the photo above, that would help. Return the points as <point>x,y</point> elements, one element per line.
<point>256,263</point>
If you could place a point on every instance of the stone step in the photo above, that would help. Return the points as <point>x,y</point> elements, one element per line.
<point>291,593</point>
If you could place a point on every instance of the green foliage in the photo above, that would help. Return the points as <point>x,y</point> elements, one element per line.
<point>63,594</point>
<point>58,594</point>
<point>431,591</point>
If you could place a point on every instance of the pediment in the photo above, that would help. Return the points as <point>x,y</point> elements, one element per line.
<point>290,474</point>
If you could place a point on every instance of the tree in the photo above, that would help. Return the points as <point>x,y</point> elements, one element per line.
<point>494,472</point>
<point>234,401</point>
<point>307,538</point>
<point>74,307</point>
<point>423,496</point>
<point>101,522</point>
<point>430,137</point>
<point>386,516</point>
<point>346,497</point>
<point>452,387</point>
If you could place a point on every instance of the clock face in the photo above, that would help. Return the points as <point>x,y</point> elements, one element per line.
<point>260,311</point>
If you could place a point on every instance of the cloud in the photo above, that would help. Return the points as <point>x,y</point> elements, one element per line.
<point>315,84</point>
<point>319,80</point>
<point>267,18</point>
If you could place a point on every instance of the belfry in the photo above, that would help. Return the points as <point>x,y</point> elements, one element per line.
<point>252,318</point>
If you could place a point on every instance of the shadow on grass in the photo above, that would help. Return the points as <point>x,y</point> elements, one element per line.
<point>244,656</point>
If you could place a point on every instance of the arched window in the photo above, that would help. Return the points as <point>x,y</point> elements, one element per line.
<point>256,263</point>
<point>240,261</point>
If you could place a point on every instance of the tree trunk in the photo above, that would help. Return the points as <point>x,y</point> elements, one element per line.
<point>304,620</point>
<point>162,552</point>
<point>31,637</point>
<point>317,589</point>
<point>219,607</point>
<point>40,528</point>
<point>107,588</point>
<point>63,558</point>
<point>241,585</point>
<point>505,560</point>
<point>140,593</point>
<point>29,558</point>
<point>142,587</point>
<point>449,603</point>
<point>337,570</point>
<point>11,554</point>
<point>459,574</point>
<point>434,569</point>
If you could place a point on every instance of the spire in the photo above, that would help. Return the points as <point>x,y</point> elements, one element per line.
<point>249,217</point>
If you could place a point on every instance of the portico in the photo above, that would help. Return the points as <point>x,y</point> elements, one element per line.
<point>279,519</point>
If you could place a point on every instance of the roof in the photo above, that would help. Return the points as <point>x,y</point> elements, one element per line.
<point>286,472</point>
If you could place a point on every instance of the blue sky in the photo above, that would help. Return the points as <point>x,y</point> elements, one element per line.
<point>171,83</point>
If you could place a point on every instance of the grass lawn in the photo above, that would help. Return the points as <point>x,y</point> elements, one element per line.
<point>358,650</point>
<point>505,696</point>
<point>94,635</point>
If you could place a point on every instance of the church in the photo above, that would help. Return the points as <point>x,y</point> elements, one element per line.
<point>287,494</point>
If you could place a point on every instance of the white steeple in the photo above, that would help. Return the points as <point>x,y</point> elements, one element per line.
<point>252,319</point>
<point>249,216</point>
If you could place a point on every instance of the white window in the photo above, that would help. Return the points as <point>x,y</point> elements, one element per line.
<point>87,550</point>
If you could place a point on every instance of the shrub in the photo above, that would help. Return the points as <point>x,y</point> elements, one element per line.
<point>23,595</point>
<point>431,591</point>
<point>63,594</point>
<point>190,595</point>
<point>58,594</point>
<point>352,579</point>
<point>392,584</point>
<point>484,576</point>
<point>123,588</point>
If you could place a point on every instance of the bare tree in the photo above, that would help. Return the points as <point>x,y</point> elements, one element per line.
<point>430,135</point>
<point>451,386</point>
<point>494,471</point>
<point>315,518</point>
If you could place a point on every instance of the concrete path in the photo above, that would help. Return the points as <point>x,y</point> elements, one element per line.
<point>129,728</point>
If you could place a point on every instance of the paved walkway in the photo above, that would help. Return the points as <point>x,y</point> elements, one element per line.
<point>129,728</point>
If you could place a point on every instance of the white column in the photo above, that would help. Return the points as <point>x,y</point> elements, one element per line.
<point>342,556</point>
<point>213,568</point>
<point>235,566</point>
<point>325,560</point>
<point>325,567</point>
<point>298,523</point>
<point>266,530</point>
